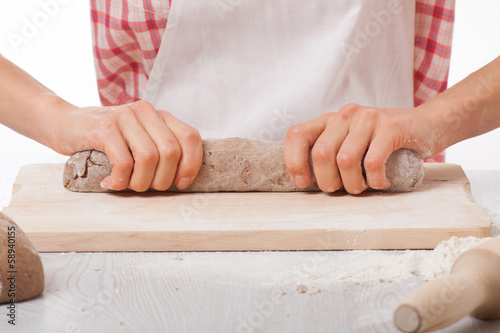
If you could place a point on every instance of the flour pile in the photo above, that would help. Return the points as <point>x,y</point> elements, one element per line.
<point>441,259</point>
<point>384,266</point>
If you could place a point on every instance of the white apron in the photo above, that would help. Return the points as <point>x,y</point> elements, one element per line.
<point>252,68</point>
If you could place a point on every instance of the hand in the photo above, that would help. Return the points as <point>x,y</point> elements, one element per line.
<point>342,142</point>
<point>148,148</point>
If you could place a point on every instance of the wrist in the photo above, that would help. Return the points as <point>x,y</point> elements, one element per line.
<point>50,113</point>
<point>436,135</point>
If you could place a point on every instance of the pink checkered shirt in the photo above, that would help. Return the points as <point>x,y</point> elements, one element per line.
<point>127,35</point>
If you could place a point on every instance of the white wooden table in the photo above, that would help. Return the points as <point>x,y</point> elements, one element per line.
<point>329,291</point>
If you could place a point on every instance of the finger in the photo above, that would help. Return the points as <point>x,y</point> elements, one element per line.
<point>350,155</point>
<point>144,151</point>
<point>296,153</point>
<point>324,154</point>
<point>120,158</point>
<point>376,158</point>
<point>191,148</point>
<point>167,146</point>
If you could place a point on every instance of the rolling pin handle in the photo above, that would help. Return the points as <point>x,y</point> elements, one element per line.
<point>439,303</point>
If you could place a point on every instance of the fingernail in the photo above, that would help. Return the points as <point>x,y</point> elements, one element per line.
<point>301,181</point>
<point>104,185</point>
<point>183,183</point>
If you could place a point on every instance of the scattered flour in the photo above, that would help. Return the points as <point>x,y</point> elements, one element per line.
<point>441,259</point>
<point>317,270</point>
<point>366,265</point>
<point>428,264</point>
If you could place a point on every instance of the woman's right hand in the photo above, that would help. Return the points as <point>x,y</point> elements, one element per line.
<point>148,148</point>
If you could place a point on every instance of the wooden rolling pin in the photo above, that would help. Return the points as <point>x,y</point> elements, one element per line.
<point>238,165</point>
<point>473,287</point>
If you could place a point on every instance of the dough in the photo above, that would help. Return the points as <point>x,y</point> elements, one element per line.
<point>84,171</point>
<point>29,279</point>
<point>238,165</point>
<point>405,170</point>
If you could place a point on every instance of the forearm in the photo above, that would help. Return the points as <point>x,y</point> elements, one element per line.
<point>26,105</point>
<point>469,108</point>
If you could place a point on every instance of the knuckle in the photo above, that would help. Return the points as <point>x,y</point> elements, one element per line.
<point>328,116</point>
<point>124,165</point>
<point>170,151</point>
<point>191,136</point>
<point>295,131</point>
<point>294,167</point>
<point>163,114</point>
<point>373,164</point>
<point>108,124</point>
<point>349,109</point>
<point>370,112</point>
<point>369,116</point>
<point>148,156</point>
<point>322,153</point>
<point>346,160</point>
<point>142,106</point>
<point>125,113</point>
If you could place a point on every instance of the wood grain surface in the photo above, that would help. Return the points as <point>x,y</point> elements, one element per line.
<point>59,220</point>
<point>213,292</point>
<point>231,291</point>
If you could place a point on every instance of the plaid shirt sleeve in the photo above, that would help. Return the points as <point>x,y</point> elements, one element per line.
<point>127,35</point>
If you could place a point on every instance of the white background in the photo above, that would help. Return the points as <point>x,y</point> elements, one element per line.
<point>59,54</point>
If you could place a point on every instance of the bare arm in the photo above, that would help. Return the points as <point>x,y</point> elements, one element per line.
<point>469,108</point>
<point>26,105</point>
<point>148,148</point>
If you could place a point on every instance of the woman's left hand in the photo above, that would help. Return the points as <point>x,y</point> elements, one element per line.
<point>357,137</point>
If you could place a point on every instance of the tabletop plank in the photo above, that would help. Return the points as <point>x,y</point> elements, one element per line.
<point>211,292</point>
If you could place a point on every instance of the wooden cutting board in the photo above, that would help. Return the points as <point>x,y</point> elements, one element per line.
<point>59,220</point>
